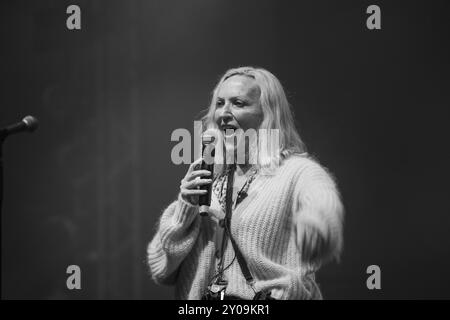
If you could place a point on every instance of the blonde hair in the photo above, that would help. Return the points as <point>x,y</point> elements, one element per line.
<point>277,115</point>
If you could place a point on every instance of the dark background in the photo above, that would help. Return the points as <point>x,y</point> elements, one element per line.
<point>88,187</point>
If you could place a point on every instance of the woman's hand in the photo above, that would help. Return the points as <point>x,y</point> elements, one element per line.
<point>192,181</point>
<point>314,247</point>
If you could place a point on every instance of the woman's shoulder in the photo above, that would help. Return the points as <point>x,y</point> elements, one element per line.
<point>303,165</point>
<point>299,162</point>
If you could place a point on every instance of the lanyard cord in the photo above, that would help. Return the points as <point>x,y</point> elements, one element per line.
<point>228,197</point>
<point>227,232</point>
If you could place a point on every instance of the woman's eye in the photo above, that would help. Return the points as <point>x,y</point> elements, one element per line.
<point>239,103</point>
<point>219,103</point>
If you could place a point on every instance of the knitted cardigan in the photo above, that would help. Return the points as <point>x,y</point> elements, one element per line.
<point>264,225</point>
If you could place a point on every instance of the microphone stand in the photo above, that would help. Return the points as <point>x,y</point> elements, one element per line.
<point>2,139</point>
<point>29,123</point>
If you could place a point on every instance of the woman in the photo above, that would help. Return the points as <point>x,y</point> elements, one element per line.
<point>272,221</point>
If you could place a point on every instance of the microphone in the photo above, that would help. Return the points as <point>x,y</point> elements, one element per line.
<point>29,123</point>
<point>208,153</point>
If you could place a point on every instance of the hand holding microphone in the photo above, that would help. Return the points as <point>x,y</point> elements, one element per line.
<point>190,184</point>
<point>208,153</point>
<point>196,185</point>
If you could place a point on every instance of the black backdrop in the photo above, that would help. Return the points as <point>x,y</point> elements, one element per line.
<point>88,186</point>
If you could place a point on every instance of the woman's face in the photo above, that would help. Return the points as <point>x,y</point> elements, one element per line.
<point>238,107</point>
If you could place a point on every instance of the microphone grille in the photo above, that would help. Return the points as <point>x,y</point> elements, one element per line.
<point>31,122</point>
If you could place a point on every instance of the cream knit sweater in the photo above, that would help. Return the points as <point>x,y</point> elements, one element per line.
<point>264,225</point>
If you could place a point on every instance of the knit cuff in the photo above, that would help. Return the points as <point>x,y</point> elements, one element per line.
<point>185,212</point>
<point>178,228</point>
<point>157,261</point>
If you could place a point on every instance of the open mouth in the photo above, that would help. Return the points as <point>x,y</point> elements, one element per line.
<point>228,130</point>
<point>228,133</point>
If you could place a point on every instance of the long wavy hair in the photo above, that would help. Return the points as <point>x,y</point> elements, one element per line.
<point>277,114</point>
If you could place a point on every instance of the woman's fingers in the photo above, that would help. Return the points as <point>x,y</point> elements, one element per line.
<point>195,165</point>
<point>196,183</point>
<point>311,243</point>
<point>197,173</point>
<point>190,192</point>
<point>191,195</point>
<point>305,242</point>
<point>190,183</point>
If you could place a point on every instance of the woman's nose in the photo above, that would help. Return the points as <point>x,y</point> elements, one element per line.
<point>225,113</point>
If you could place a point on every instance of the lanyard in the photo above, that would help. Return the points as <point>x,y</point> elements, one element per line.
<point>226,224</point>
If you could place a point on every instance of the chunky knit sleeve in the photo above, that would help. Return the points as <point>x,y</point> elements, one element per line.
<point>317,204</point>
<point>177,232</point>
